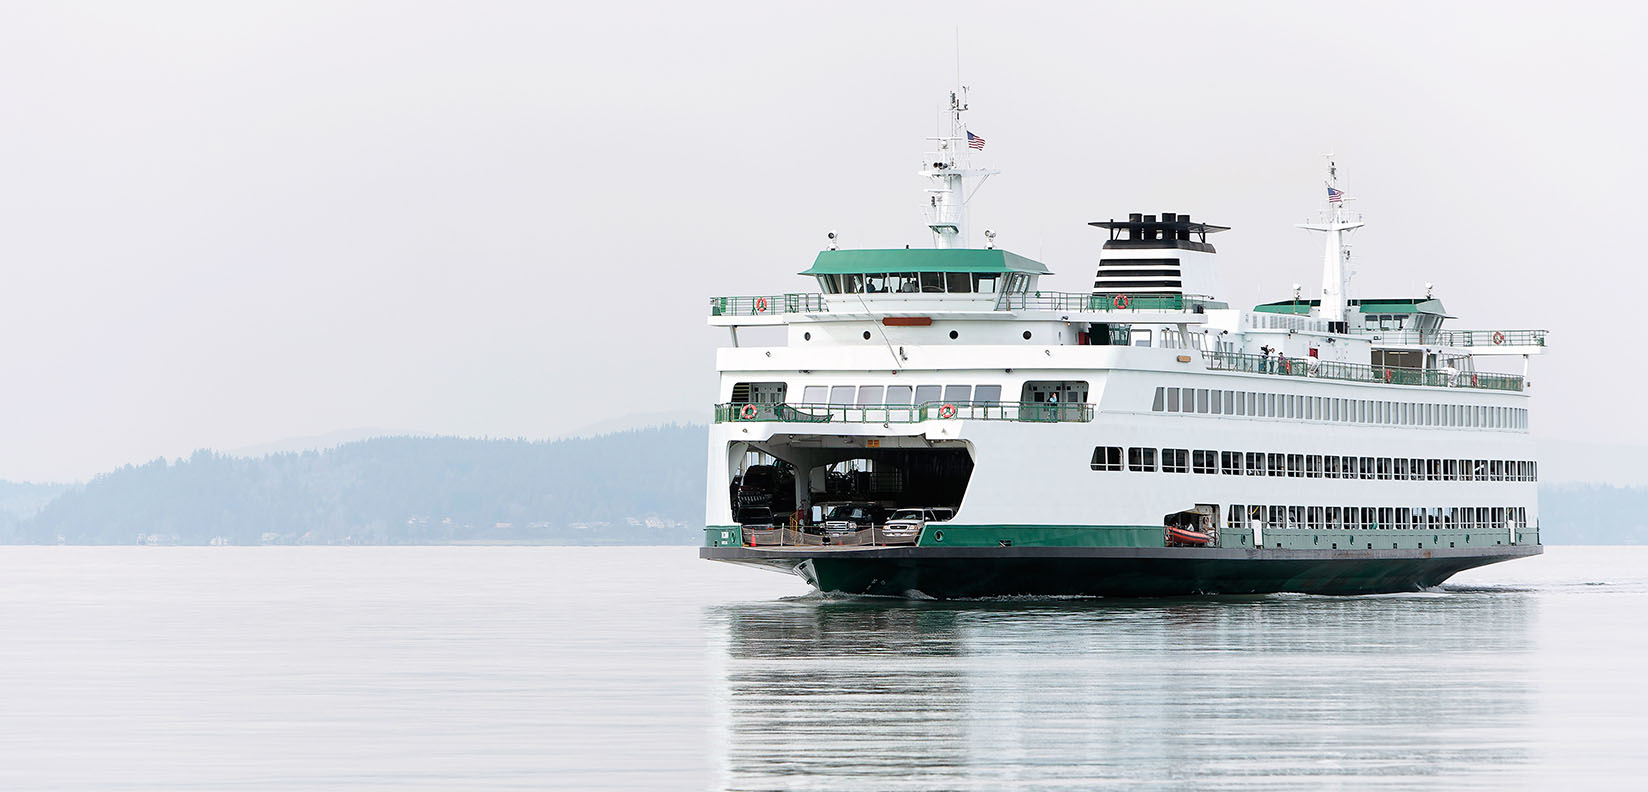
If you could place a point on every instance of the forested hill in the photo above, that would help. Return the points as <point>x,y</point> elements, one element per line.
<point>638,487</point>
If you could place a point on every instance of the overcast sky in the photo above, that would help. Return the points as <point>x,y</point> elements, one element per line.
<point>222,224</point>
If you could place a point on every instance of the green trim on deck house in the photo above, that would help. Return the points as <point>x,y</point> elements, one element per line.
<point>873,262</point>
<point>1418,305</point>
<point>947,535</point>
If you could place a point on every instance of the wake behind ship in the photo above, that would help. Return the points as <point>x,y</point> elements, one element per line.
<point>933,423</point>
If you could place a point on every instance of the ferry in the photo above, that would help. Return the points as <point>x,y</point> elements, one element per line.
<point>935,423</point>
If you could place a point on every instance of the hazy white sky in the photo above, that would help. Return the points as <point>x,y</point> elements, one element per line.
<point>226,223</point>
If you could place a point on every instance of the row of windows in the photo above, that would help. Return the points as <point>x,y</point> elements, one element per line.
<point>1327,408</point>
<point>1373,518</point>
<point>848,395</point>
<point>1255,463</point>
<point>921,283</point>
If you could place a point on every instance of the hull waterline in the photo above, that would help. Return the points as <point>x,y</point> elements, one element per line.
<point>956,573</point>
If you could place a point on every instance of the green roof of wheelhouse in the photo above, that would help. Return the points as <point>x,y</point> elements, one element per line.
<point>870,262</point>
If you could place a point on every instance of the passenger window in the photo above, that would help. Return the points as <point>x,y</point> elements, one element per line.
<point>841,395</point>
<point>957,393</point>
<point>1201,401</point>
<point>987,393</point>
<point>1107,458</point>
<point>1160,403</point>
<point>928,393</point>
<point>869,394</point>
<point>1141,460</point>
<point>814,394</point>
<point>898,394</point>
<point>1172,399</point>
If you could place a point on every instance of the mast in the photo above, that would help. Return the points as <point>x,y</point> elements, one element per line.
<point>1336,222</point>
<point>949,168</point>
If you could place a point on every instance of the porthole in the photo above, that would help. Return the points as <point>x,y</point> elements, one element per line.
<point>954,335</point>
<point>866,335</point>
<point>806,336</point>
<point>938,536</point>
<point>1027,335</point>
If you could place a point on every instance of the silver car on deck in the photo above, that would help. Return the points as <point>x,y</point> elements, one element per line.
<point>907,523</point>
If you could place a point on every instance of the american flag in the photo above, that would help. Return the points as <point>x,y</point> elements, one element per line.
<point>974,142</point>
<point>1335,196</point>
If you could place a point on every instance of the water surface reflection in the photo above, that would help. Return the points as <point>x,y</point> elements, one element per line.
<point>1388,691</point>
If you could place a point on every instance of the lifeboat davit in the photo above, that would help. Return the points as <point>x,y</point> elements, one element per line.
<point>1185,536</point>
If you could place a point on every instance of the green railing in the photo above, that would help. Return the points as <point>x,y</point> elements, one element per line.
<point>762,304</point>
<point>1460,338</point>
<point>1035,412</point>
<point>1073,301</point>
<point>1356,372</point>
<point>759,305</point>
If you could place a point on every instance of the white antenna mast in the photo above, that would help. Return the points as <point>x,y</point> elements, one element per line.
<point>949,167</point>
<point>1336,221</point>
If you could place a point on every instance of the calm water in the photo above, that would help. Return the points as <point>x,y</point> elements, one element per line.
<point>586,668</point>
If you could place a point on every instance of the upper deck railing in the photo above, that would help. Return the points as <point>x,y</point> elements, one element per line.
<point>761,305</point>
<point>1356,372</point>
<point>1459,338</point>
<point>1078,301</point>
<point>1036,412</point>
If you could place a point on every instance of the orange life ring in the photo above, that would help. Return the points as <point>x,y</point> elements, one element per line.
<point>748,412</point>
<point>1121,302</point>
<point>947,411</point>
<point>1499,338</point>
<point>760,305</point>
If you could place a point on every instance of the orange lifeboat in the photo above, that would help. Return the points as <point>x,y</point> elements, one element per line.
<point>1185,536</point>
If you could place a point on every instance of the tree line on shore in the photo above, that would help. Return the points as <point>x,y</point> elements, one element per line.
<point>638,487</point>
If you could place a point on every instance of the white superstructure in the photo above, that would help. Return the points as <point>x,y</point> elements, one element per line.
<point>949,378</point>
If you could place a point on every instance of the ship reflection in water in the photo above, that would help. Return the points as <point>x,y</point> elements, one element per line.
<point>1236,692</point>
